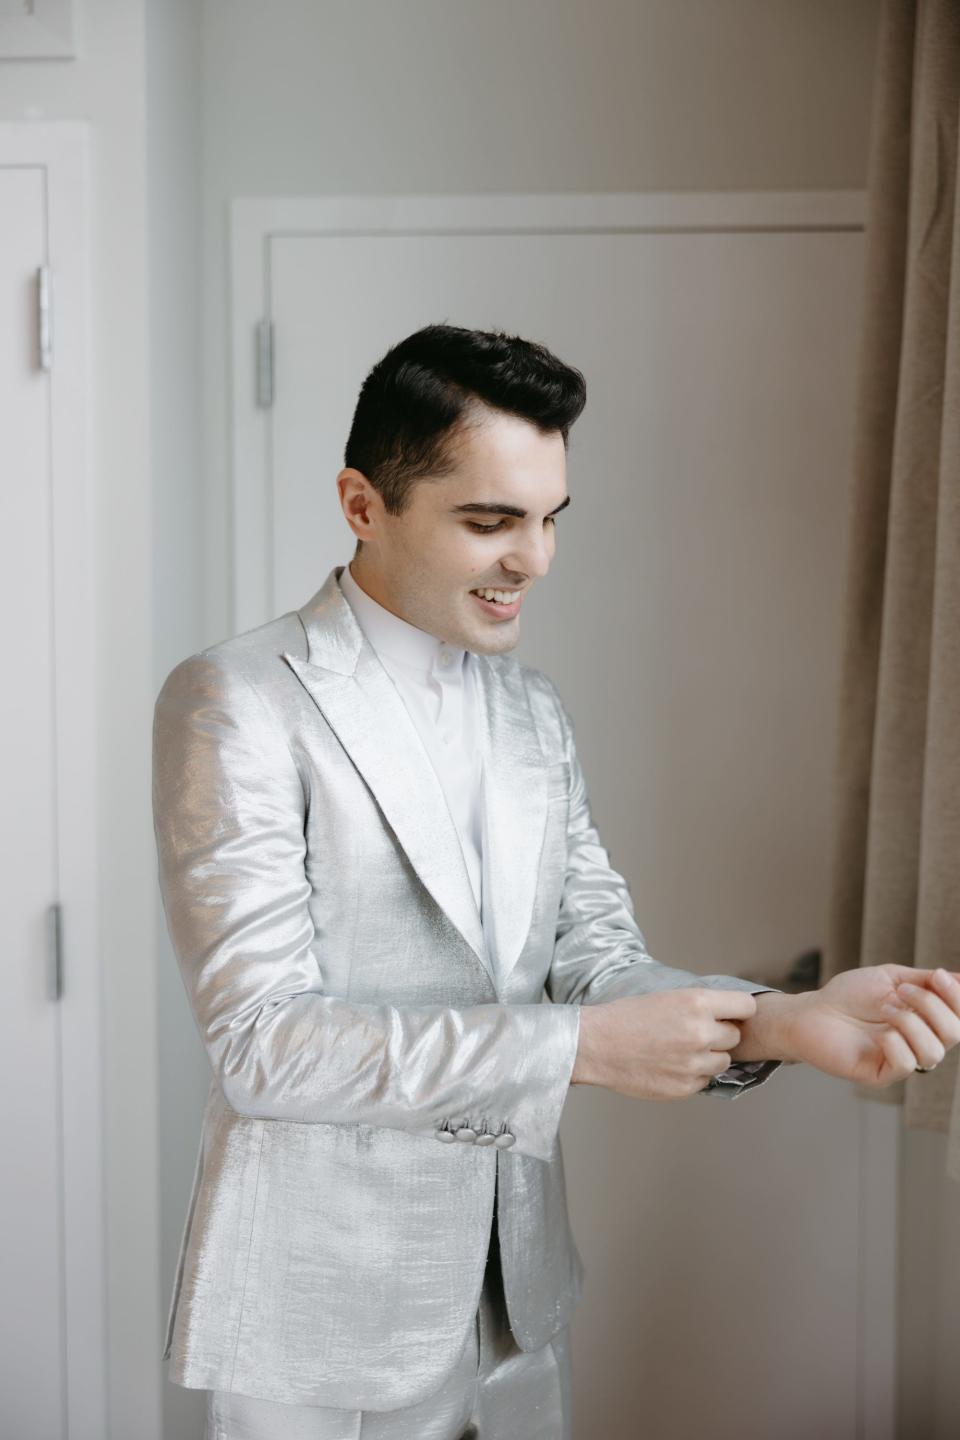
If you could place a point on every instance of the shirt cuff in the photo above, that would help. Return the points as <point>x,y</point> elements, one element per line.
<point>741,1075</point>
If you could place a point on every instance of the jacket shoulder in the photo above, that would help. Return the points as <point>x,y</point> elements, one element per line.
<point>255,656</point>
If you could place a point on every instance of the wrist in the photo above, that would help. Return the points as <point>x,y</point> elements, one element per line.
<point>583,1071</point>
<point>768,1034</point>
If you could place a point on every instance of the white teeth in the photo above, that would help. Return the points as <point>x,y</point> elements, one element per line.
<point>502,597</point>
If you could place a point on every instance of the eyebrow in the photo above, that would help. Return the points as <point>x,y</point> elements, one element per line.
<point>494,507</point>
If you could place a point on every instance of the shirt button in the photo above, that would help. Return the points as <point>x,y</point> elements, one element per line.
<point>445,658</point>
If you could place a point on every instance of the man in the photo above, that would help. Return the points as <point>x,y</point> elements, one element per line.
<point>376,858</point>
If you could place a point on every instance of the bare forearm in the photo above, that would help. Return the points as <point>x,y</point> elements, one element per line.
<point>767,1035</point>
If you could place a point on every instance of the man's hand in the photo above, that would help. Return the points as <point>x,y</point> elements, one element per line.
<point>877,1024</point>
<point>661,1046</point>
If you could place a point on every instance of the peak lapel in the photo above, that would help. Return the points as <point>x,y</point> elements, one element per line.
<point>360,702</point>
<point>515,807</point>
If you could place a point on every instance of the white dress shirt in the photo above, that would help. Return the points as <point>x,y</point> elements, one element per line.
<point>438,687</point>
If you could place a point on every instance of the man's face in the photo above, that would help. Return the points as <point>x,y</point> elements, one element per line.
<point>487,525</point>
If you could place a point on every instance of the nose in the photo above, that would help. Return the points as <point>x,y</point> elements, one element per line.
<point>531,554</point>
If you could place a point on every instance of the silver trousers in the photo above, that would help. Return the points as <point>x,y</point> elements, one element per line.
<point>496,1391</point>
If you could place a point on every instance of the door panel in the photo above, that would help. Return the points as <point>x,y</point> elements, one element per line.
<point>31,1260</point>
<point>691,622</point>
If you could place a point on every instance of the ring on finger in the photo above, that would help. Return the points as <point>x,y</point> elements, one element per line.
<point>906,1017</point>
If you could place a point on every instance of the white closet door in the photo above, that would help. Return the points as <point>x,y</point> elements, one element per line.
<point>32,1398</point>
<point>691,622</point>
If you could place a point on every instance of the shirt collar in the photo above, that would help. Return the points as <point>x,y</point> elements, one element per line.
<point>397,638</point>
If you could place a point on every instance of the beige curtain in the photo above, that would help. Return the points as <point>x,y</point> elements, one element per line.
<point>896,859</point>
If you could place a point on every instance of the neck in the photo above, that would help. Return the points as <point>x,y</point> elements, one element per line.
<point>371,583</point>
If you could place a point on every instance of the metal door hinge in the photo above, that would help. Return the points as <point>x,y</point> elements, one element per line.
<point>45,317</point>
<point>265,364</point>
<point>55,950</point>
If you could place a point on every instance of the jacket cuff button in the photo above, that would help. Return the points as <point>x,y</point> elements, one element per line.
<point>465,1133</point>
<point>504,1141</point>
<point>486,1138</point>
<point>446,1136</point>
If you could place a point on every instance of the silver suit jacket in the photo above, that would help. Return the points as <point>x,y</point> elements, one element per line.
<point>372,1080</point>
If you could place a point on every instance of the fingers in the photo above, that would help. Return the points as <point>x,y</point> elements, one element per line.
<point>728,1004</point>
<point>725,1036</point>
<point>940,1010</point>
<point>714,1062</point>
<point>900,1057</point>
<point>926,1021</point>
<point>947,985</point>
<point>897,973</point>
<point>928,1030</point>
<point>913,975</point>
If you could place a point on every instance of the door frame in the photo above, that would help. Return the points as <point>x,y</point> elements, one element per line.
<point>255,221</point>
<point>60,151</point>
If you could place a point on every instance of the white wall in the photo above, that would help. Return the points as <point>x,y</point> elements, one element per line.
<point>312,97</point>
<point>354,96</point>
<point>104,87</point>
<point>231,97</point>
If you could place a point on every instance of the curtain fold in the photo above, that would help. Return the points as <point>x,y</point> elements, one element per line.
<point>895,876</point>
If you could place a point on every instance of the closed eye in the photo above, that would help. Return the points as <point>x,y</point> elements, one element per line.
<point>486,529</point>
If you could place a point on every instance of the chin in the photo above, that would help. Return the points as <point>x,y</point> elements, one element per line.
<point>496,644</point>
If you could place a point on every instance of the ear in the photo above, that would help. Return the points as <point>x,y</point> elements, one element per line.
<point>359,502</point>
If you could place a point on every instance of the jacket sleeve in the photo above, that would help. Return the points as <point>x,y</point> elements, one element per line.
<point>600,953</point>
<point>229,817</point>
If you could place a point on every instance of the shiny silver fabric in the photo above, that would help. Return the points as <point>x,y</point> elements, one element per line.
<point>329,941</point>
<point>496,1391</point>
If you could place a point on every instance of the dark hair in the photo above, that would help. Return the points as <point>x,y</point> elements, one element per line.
<point>428,389</point>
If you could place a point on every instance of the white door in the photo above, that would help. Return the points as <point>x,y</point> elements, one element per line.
<point>52,1285</point>
<point>690,620</point>
<point>31,1235</point>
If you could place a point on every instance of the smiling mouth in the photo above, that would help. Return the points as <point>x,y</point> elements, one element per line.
<point>498,592</point>
<point>497,601</point>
